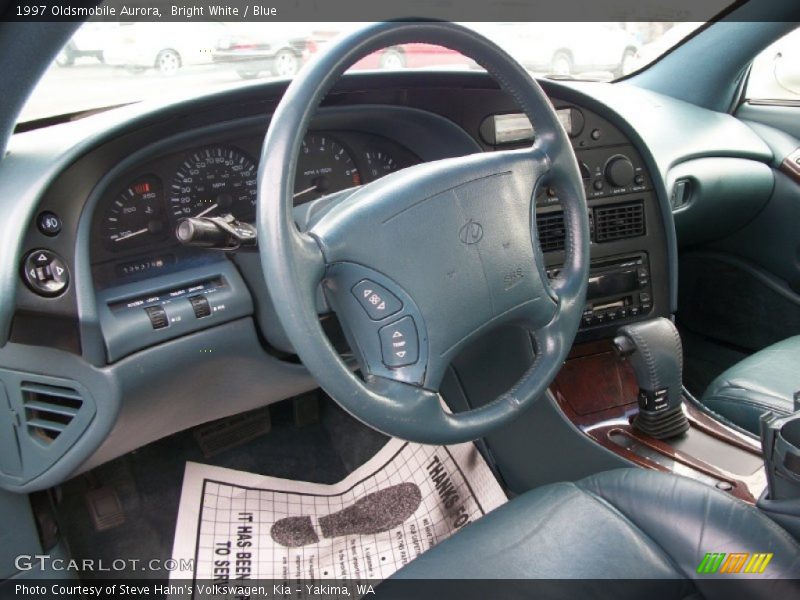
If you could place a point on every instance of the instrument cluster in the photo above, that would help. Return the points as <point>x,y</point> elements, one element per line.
<point>140,212</point>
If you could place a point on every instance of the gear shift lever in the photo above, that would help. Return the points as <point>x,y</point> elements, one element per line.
<point>654,350</point>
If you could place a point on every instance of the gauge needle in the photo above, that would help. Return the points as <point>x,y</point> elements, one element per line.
<point>206,211</point>
<point>305,191</point>
<point>132,234</point>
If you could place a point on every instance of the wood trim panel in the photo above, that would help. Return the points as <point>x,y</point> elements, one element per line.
<point>791,165</point>
<point>597,391</point>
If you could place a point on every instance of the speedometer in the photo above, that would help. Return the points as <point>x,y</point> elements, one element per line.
<point>212,181</point>
<point>323,167</point>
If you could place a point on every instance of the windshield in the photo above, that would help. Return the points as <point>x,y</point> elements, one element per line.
<point>108,64</point>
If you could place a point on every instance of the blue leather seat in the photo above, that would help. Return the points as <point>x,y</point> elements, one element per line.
<point>765,381</point>
<point>622,524</point>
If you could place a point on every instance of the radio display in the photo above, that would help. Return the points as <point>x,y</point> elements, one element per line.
<point>610,284</point>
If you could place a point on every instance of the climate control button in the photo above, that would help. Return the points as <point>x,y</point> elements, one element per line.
<point>399,343</point>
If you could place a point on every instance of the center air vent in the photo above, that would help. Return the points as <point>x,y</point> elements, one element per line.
<point>619,221</point>
<point>49,409</point>
<point>551,231</point>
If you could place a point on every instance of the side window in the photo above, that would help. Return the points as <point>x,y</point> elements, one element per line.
<point>775,75</point>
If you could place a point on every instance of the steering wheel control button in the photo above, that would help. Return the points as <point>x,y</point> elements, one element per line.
<point>200,306</point>
<point>158,316</point>
<point>399,343</point>
<point>376,300</point>
<point>49,223</point>
<point>45,272</point>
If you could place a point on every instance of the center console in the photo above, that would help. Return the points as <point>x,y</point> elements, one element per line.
<point>641,414</point>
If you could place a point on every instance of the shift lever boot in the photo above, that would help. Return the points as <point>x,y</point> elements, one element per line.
<point>655,353</point>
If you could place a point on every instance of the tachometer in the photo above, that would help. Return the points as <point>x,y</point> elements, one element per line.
<point>213,181</point>
<point>136,216</point>
<point>323,167</point>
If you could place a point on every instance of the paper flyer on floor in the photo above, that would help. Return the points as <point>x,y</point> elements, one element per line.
<point>241,527</point>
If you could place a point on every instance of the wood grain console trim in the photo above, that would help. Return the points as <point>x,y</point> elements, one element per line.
<point>791,165</point>
<point>597,392</point>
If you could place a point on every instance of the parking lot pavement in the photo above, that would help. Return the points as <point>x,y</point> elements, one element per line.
<point>88,85</point>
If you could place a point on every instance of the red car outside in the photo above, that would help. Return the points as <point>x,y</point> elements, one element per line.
<point>406,56</point>
<point>414,56</point>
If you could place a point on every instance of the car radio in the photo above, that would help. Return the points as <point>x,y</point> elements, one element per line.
<point>619,288</point>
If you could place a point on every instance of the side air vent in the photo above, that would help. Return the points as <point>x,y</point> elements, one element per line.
<point>551,231</point>
<point>619,221</point>
<point>49,409</point>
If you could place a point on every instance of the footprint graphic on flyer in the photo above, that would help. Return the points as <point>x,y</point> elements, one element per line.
<point>377,512</point>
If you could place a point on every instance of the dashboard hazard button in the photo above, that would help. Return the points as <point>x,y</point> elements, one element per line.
<point>399,343</point>
<point>376,300</point>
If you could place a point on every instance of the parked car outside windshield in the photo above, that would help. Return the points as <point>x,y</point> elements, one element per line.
<point>108,64</point>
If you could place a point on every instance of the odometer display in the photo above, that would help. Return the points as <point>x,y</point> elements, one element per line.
<point>213,181</point>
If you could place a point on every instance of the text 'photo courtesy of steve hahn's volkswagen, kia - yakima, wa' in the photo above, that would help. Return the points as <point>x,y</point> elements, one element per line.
<point>315,300</point>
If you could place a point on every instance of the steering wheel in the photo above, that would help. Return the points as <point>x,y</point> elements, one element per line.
<point>419,263</point>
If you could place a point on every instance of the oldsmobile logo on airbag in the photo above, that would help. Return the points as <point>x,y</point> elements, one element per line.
<point>471,232</point>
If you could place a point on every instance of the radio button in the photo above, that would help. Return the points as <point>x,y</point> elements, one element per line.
<point>377,301</point>
<point>619,171</point>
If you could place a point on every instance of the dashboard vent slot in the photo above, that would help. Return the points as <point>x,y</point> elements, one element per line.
<point>49,409</point>
<point>619,221</point>
<point>551,231</point>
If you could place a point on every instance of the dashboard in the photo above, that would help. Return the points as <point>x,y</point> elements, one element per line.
<point>141,336</point>
<point>151,288</point>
